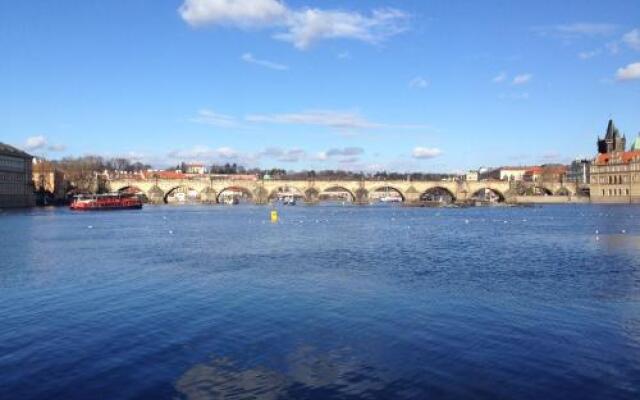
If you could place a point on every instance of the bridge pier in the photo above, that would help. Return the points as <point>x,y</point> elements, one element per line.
<point>155,195</point>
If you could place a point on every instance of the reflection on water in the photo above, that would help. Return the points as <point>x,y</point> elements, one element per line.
<point>331,302</point>
<point>220,379</point>
<point>305,373</point>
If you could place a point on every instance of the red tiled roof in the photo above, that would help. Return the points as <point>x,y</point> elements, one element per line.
<point>521,167</point>
<point>548,170</point>
<point>169,175</point>
<point>624,157</point>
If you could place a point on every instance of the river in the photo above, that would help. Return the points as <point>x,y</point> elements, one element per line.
<point>348,302</point>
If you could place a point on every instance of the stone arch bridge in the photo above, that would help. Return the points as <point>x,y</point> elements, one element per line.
<point>261,191</point>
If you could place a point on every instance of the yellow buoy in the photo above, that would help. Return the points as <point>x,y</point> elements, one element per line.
<point>274,216</point>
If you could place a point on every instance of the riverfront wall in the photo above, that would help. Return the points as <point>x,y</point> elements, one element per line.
<point>551,200</point>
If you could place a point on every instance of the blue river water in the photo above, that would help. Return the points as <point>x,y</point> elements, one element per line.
<point>331,302</point>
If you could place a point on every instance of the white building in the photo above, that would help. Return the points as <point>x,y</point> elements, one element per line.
<point>471,176</point>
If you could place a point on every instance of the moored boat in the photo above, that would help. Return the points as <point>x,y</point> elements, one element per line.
<point>289,201</point>
<point>390,199</point>
<point>110,201</point>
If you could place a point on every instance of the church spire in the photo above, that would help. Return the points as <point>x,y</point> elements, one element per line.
<point>612,141</point>
<point>612,131</point>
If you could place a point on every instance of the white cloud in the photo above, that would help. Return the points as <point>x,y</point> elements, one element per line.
<point>308,26</point>
<point>321,156</point>
<point>249,58</point>
<point>575,30</point>
<point>630,72</point>
<point>283,155</point>
<point>501,77</point>
<point>613,47</point>
<point>343,154</point>
<point>201,153</point>
<point>209,117</point>
<point>586,29</point>
<point>349,160</point>
<point>419,83</point>
<point>585,55</point>
<point>225,152</point>
<point>35,143</point>
<point>425,152</point>
<point>342,120</point>
<point>242,13</point>
<point>57,147</point>
<point>329,118</point>
<point>301,27</point>
<point>632,39</point>
<point>522,79</point>
<point>346,151</point>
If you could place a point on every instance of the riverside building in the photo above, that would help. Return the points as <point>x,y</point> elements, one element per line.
<point>16,185</point>
<point>615,172</point>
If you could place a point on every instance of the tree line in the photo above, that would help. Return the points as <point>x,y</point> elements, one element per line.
<point>85,173</point>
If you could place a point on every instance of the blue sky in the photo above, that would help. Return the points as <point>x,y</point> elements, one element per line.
<point>365,85</point>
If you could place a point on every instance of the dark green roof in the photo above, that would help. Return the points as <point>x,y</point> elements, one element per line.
<point>7,150</point>
<point>636,144</point>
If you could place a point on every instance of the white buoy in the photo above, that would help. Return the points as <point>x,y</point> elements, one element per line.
<point>466,221</point>
<point>597,237</point>
<point>90,226</point>
<point>597,231</point>
<point>623,231</point>
<point>170,232</point>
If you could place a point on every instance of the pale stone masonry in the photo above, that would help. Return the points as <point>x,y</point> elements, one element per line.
<point>615,172</point>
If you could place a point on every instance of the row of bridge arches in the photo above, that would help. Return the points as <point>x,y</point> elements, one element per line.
<point>232,194</point>
<point>185,194</point>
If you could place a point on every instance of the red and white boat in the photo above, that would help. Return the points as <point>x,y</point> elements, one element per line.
<point>111,201</point>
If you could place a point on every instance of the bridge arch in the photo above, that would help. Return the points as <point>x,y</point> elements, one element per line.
<point>564,191</point>
<point>386,188</point>
<point>542,190</point>
<point>438,194</point>
<point>488,194</point>
<point>286,189</point>
<point>129,189</point>
<point>234,191</point>
<point>181,194</point>
<point>134,190</point>
<point>338,188</point>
